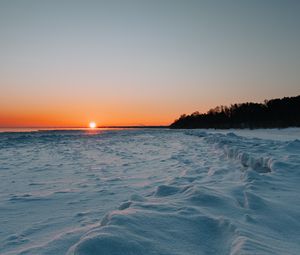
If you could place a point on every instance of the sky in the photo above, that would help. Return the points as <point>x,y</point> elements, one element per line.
<point>65,63</point>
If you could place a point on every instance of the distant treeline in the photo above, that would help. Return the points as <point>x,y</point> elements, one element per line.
<point>275,113</point>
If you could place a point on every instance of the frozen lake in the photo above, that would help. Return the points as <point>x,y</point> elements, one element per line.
<point>150,191</point>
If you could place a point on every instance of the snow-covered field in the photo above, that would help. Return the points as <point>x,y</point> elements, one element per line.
<point>142,192</point>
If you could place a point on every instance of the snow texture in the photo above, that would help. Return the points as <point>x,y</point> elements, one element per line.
<point>146,192</point>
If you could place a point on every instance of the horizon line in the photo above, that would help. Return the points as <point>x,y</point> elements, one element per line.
<point>86,127</point>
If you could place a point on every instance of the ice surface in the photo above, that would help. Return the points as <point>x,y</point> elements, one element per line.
<point>147,192</point>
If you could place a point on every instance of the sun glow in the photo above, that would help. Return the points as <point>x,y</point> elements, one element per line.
<point>92,124</point>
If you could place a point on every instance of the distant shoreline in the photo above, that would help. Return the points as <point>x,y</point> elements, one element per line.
<point>274,113</point>
<point>134,127</point>
<point>57,127</point>
<point>44,129</point>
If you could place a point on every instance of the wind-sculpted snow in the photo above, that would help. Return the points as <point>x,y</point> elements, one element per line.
<point>162,192</point>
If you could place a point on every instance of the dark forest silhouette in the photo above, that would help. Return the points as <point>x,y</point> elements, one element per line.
<point>275,113</point>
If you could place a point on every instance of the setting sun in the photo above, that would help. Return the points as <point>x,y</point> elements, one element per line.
<point>92,124</point>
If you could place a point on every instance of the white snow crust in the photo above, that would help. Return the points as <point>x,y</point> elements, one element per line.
<point>150,192</point>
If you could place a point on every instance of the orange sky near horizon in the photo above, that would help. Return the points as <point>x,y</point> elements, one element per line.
<point>81,115</point>
<point>46,110</point>
<point>79,120</point>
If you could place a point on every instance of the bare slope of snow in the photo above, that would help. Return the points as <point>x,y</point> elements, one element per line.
<point>149,192</point>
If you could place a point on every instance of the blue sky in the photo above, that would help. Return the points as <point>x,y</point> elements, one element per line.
<point>143,62</point>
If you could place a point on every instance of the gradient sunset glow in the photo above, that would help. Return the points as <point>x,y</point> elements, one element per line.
<point>65,63</point>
